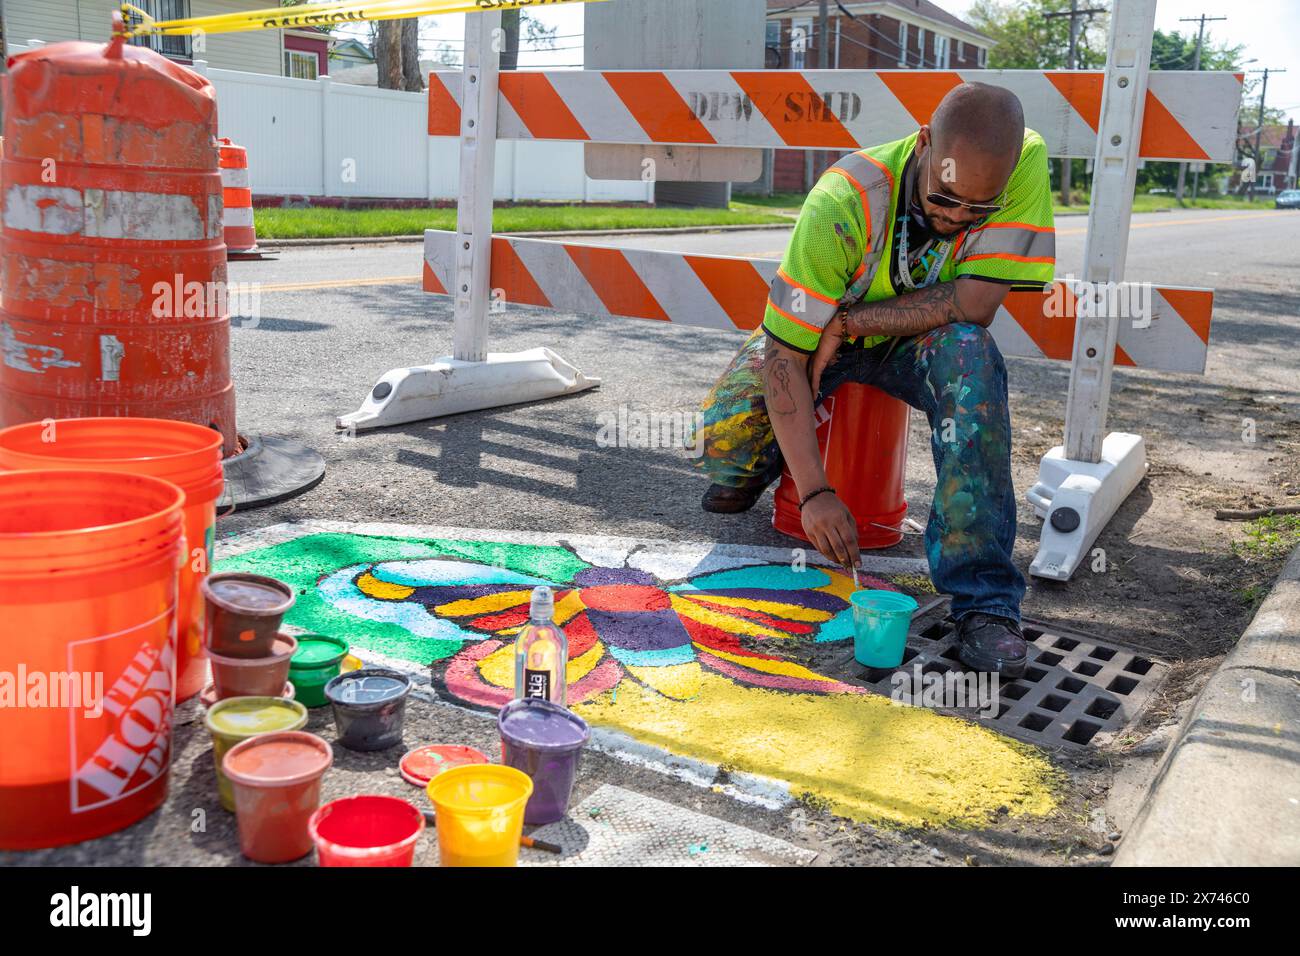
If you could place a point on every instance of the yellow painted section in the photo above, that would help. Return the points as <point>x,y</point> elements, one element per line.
<point>499,667</point>
<point>867,758</point>
<point>786,668</point>
<point>725,622</point>
<point>841,584</point>
<point>371,586</point>
<point>487,604</point>
<point>791,612</point>
<point>569,606</point>
<point>678,681</point>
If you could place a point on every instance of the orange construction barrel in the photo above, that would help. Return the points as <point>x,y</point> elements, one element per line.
<point>862,433</point>
<point>88,579</point>
<point>189,456</point>
<point>241,235</point>
<point>112,259</point>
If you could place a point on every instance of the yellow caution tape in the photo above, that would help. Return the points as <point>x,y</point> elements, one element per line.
<point>139,23</point>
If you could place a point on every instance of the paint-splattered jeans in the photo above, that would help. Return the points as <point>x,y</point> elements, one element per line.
<point>955,374</point>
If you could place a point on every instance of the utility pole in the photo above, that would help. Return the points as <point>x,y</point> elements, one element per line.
<point>1072,63</point>
<point>1259,132</point>
<point>1196,65</point>
<point>811,157</point>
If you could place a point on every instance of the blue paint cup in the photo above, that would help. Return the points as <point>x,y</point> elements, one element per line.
<point>880,623</point>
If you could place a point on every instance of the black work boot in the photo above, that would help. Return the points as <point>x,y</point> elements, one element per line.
<point>993,644</point>
<point>725,500</point>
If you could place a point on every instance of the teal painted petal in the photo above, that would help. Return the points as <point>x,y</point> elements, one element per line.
<point>664,657</point>
<point>775,577</point>
<point>837,628</point>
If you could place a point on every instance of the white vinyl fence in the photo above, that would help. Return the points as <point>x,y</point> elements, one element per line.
<point>320,138</point>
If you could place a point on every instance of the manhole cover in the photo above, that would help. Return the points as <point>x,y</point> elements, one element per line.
<point>1074,688</point>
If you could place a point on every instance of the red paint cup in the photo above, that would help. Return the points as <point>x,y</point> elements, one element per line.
<point>276,781</point>
<point>253,676</point>
<point>366,830</point>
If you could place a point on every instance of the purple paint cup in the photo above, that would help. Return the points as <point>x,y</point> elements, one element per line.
<point>544,740</point>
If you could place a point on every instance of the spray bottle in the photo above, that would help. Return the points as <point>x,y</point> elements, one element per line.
<point>541,652</point>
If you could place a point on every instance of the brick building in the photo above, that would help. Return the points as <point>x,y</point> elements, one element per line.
<point>879,35</point>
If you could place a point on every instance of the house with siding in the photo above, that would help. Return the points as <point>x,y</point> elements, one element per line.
<point>277,52</point>
<point>875,35</point>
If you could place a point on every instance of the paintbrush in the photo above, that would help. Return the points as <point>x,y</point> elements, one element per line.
<point>854,569</point>
<point>527,841</point>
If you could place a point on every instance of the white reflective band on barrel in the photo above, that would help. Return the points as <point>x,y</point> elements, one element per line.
<point>105,214</point>
<point>239,216</point>
<point>235,178</point>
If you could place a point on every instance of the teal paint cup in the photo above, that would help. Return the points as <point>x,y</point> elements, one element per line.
<point>880,623</point>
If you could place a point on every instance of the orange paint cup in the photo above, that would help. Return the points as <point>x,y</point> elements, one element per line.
<point>187,455</point>
<point>88,596</point>
<point>276,780</point>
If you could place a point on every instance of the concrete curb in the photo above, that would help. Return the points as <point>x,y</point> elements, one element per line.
<point>1228,791</point>
<point>664,231</point>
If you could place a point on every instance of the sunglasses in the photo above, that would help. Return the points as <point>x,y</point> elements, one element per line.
<point>948,202</point>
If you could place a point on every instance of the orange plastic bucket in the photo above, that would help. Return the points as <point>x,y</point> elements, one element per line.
<point>88,592</point>
<point>187,455</point>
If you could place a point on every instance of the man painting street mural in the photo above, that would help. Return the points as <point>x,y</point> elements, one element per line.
<point>899,261</point>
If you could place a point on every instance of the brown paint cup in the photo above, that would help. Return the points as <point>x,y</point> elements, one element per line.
<point>242,613</point>
<point>276,781</point>
<point>209,695</point>
<point>253,676</point>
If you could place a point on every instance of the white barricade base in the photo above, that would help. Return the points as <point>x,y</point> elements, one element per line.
<point>1077,498</point>
<point>450,386</point>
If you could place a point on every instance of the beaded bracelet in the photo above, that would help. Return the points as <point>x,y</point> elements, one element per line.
<point>813,494</point>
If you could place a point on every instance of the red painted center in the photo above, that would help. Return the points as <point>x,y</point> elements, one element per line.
<point>625,597</point>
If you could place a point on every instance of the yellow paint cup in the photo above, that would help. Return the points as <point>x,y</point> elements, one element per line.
<point>480,813</point>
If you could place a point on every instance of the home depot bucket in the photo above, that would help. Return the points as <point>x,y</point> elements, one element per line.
<point>187,455</point>
<point>88,596</point>
<point>862,434</point>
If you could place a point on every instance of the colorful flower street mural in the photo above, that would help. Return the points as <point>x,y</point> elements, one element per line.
<point>694,650</point>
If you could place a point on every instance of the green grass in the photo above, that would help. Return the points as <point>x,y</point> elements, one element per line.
<point>1269,538</point>
<point>1144,202</point>
<point>349,223</point>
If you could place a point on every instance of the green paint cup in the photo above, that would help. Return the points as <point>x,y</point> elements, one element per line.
<point>880,623</point>
<point>315,664</point>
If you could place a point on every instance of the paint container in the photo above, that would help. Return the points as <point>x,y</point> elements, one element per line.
<point>880,623</point>
<point>88,594</point>
<point>366,830</point>
<point>315,664</point>
<point>480,814</point>
<point>242,613</point>
<point>276,782</point>
<point>544,740</point>
<point>187,455</point>
<point>209,695</point>
<point>236,719</point>
<point>422,764</point>
<point>253,676</point>
<point>369,705</point>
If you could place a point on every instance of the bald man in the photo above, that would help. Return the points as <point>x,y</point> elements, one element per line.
<point>898,263</point>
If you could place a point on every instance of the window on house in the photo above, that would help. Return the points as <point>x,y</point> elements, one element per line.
<point>300,65</point>
<point>902,44</point>
<point>176,47</point>
<point>961,50</point>
<point>983,57</point>
<point>941,52</point>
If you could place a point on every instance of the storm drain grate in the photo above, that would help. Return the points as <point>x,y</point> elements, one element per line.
<point>1074,688</point>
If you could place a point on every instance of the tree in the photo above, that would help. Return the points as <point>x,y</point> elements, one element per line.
<point>397,54</point>
<point>1026,40</point>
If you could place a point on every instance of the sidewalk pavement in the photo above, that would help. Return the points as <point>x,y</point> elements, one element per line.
<point>1228,791</point>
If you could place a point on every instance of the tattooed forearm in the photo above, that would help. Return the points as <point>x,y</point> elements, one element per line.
<point>778,372</point>
<point>909,314</point>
